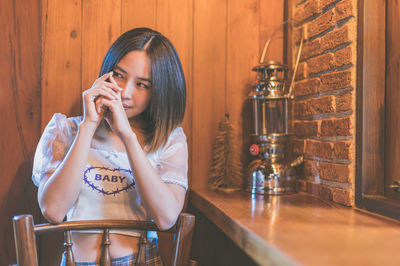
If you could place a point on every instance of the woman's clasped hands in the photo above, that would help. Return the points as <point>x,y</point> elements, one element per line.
<point>103,100</point>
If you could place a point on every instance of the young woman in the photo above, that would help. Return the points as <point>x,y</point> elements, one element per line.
<point>126,156</point>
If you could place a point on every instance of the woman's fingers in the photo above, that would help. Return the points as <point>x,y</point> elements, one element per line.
<point>113,86</point>
<point>118,87</point>
<point>103,91</point>
<point>105,76</point>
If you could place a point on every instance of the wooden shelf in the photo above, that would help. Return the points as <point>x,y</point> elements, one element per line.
<point>300,229</point>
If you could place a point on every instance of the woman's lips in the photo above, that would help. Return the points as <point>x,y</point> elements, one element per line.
<point>127,106</point>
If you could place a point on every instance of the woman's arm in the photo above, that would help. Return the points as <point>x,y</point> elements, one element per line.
<point>163,201</point>
<point>58,191</point>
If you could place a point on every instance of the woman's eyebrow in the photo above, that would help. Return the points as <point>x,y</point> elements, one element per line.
<point>121,69</point>
<point>145,79</point>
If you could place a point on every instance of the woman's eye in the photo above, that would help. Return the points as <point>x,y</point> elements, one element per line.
<point>117,75</point>
<point>143,85</point>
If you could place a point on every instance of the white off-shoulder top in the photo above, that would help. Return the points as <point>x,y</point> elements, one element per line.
<point>108,182</point>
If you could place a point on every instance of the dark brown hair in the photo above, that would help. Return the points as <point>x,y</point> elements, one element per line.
<point>168,97</point>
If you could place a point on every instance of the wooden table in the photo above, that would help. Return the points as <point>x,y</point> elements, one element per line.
<point>300,229</point>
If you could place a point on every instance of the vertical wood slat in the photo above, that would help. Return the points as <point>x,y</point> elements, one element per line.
<point>69,256</point>
<point>209,82</point>
<point>101,25</point>
<point>61,58</point>
<point>174,19</point>
<point>25,240</point>
<point>19,115</point>
<point>135,14</point>
<point>105,255</point>
<point>61,79</point>
<point>141,254</point>
<point>373,99</point>
<point>242,55</point>
<point>271,17</point>
<point>180,256</point>
<point>392,141</point>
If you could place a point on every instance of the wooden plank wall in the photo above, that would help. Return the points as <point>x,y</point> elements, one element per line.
<point>19,115</point>
<point>218,41</point>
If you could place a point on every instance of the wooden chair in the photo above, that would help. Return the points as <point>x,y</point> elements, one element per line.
<point>25,242</point>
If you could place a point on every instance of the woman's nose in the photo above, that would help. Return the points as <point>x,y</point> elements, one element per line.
<point>128,90</point>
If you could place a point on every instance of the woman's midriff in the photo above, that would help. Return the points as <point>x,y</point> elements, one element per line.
<point>88,246</point>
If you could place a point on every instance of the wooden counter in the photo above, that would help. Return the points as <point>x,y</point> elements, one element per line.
<point>300,229</point>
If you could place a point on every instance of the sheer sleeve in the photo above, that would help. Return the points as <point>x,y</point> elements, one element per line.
<point>53,146</point>
<point>173,159</point>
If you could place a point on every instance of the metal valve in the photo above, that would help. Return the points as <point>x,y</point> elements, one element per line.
<point>254,149</point>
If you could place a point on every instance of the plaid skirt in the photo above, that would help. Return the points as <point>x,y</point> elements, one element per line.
<point>153,258</point>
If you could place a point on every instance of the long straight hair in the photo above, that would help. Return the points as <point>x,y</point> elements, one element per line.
<point>168,96</point>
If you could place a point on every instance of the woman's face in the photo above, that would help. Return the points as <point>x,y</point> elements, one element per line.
<point>133,75</point>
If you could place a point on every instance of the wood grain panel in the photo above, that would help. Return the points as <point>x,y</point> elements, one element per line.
<point>242,55</point>
<point>137,13</point>
<point>392,146</point>
<point>101,26</point>
<point>209,83</point>
<point>61,55</point>
<point>19,114</point>
<point>373,111</point>
<point>271,17</point>
<point>174,19</point>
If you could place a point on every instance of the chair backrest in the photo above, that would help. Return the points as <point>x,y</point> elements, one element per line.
<point>25,241</point>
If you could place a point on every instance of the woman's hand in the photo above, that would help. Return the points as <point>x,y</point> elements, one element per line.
<point>92,98</point>
<point>115,114</point>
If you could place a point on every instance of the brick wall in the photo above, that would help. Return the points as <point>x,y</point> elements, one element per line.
<point>324,92</point>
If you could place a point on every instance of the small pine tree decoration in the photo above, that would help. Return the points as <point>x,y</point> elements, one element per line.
<point>226,169</point>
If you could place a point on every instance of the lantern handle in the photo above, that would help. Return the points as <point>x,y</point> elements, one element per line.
<point>295,66</point>
<point>266,46</point>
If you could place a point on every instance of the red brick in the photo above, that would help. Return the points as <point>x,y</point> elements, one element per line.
<point>320,63</point>
<point>319,106</point>
<point>314,106</point>
<point>306,129</point>
<point>342,196</point>
<point>299,108</point>
<point>325,192</point>
<point>321,24</point>
<point>344,102</point>
<point>343,57</point>
<point>336,127</point>
<point>307,87</point>
<point>319,149</point>
<point>299,15</point>
<point>297,35</point>
<point>301,72</point>
<point>309,9</point>
<point>334,172</point>
<point>311,49</point>
<point>335,80</point>
<point>343,10</point>
<point>335,38</point>
<point>342,150</point>
<point>299,32</point>
<point>298,146</point>
<point>325,3</point>
<point>311,168</point>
